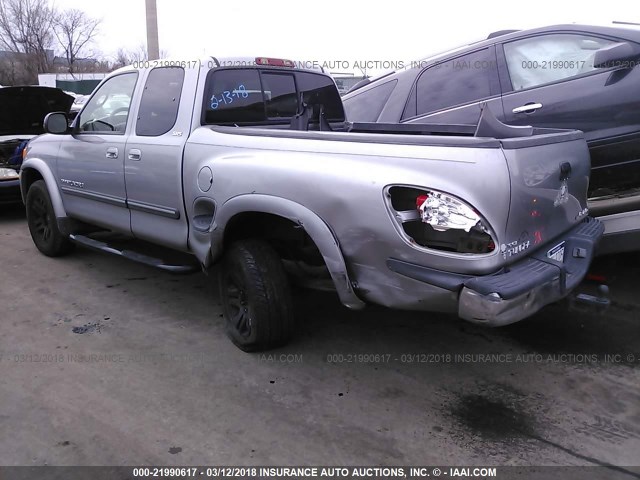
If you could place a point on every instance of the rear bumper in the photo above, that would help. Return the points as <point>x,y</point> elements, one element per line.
<point>520,290</point>
<point>529,285</point>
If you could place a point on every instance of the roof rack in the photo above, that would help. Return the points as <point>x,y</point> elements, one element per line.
<point>619,22</point>
<point>499,33</point>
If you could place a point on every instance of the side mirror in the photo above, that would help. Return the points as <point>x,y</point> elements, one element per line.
<point>56,123</point>
<point>618,55</point>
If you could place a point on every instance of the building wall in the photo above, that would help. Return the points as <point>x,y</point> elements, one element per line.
<point>81,83</point>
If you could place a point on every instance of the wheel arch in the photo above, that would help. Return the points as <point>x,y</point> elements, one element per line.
<point>238,210</point>
<point>34,169</point>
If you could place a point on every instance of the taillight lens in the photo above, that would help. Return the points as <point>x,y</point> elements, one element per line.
<point>440,221</point>
<point>443,212</point>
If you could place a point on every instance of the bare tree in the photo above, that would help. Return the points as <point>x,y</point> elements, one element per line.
<point>122,59</point>
<point>13,70</point>
<point>75,31</point>
<point>127,57</point>
<point>26,31</point>
<point>102,65</point>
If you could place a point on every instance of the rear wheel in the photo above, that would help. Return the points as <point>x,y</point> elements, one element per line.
<point>256,297</point>
<point>42,222</point>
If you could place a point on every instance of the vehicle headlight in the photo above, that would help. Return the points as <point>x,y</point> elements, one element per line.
<point>9,174</point>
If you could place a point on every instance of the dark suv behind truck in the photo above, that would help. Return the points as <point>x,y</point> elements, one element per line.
<point>563,76</point>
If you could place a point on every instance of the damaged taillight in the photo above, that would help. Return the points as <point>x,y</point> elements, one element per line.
<point>420,201</point>
<point>443,212</point>
<point>441,221</point>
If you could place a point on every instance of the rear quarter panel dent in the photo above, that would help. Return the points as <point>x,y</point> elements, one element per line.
<point>315,227</point>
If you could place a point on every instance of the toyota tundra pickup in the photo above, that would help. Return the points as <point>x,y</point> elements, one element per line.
<point>249,165</point>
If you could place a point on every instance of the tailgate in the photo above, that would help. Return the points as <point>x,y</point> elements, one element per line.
<point>549,180</point>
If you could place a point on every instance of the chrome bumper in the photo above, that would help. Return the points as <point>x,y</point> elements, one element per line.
<point>525,287</point>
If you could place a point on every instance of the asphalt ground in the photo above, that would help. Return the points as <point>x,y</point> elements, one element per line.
<point>108,362</point>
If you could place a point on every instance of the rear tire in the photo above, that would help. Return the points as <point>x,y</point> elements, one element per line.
<point>42,222</point>
<point>256,297</point>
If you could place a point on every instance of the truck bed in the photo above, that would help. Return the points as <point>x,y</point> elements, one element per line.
<point>423,135</point>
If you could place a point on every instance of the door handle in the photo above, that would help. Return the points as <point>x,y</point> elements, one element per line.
<point>112,152</point>
<point>135,154</point>
<point>528,108</point>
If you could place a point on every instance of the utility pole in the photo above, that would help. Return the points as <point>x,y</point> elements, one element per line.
<point>153,49</point>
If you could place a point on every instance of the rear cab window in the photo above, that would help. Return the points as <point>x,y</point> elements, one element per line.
<point>256,96</point>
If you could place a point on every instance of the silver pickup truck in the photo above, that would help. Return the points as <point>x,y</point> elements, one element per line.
<point>250,164</point>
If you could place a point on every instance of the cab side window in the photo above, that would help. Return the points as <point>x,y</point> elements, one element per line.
<point>108,110</point>
<point>459,81</point>
<point>551,58</point>
<point>160,101</point>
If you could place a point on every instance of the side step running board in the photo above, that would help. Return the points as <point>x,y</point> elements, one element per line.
<point>132,255</point>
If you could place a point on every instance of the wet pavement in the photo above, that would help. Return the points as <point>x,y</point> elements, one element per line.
<point>106,362</point>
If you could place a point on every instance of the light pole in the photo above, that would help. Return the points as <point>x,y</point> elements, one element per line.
<point>153,49</point>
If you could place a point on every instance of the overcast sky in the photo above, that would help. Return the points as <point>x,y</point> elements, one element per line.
<point>327,30</point>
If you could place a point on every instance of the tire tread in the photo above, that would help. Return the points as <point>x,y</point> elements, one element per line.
<point>60,244</point>
<point>270,293</point>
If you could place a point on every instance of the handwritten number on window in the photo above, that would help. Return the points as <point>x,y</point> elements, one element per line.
<point>227,97</point>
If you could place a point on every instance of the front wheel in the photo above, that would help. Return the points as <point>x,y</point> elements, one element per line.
<point>256,297</point>
<point>42,222</point>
